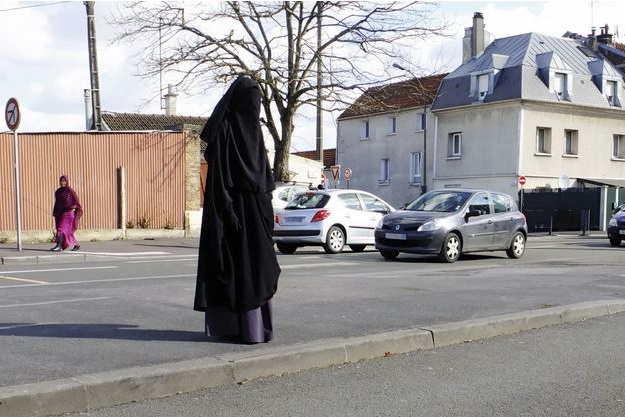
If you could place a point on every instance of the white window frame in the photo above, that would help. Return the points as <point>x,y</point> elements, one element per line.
<point>545,149</point>
<point>392,125</point>
<point>416,167</point>
<point>385,171</point>
<point>618,147</point>
<point>482,86</point>
<point>366,130</point>
<point>453,151</point>
<point>572,136</point>
<point>421,121</point>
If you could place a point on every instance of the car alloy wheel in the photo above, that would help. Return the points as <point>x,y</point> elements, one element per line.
<point>517,247</point>
<point>450,252</point>
<point>335,241</point>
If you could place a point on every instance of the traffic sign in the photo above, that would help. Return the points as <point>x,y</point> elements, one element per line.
<point>522,180</point>
<point>323,179</point>
<point>12,114</point>
<point>336,172</point>
<point>348,173</point>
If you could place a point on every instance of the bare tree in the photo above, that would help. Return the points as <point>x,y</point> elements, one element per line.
<point>275,43</point>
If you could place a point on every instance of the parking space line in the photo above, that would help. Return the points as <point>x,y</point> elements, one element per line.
<point>31,281</point>
<point>76,300</point>
<point>58,269</point>
<point>19,326</point>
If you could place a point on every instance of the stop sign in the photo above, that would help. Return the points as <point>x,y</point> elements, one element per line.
<point>522,180</point>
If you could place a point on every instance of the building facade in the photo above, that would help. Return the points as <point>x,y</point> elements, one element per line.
<point>384,136</point>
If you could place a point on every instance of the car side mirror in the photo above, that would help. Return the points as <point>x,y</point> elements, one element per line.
<point>471,213</point>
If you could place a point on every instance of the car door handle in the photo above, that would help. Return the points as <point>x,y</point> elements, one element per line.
<point>347,216</point>
<point>490,222</point>
<point>511,219</point>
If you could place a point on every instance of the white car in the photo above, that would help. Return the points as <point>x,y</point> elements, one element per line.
<point>329,218</point>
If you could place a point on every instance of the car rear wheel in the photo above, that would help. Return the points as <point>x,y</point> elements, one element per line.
<point>335,240</point>
<point>357,248</point>
<point>286,248</point>
<point>451,249</point>
<point>615,242</point>
<point>517,247</point>
<point>389,255</point>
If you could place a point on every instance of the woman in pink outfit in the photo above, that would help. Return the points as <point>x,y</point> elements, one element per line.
<point>67,212</point>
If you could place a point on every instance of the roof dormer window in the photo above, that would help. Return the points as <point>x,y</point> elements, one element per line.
<point>560,85</point>
<point>482,86</point>
<point>611,92</point>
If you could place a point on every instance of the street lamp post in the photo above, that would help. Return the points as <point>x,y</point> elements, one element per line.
<point>425,123</point>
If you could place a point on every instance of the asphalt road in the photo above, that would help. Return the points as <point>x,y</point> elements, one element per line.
<point>64,320</point>
<point>569,371</point>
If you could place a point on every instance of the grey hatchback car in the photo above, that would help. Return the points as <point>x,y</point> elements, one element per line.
<point>450,222</point>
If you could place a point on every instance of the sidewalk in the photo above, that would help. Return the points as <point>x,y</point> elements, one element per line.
<point>39,253</point>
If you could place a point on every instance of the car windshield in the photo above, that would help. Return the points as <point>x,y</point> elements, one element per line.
<point>308,201</point>
<point>441,201</point>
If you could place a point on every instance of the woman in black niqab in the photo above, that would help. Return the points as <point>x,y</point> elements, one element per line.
<point>237,266</point>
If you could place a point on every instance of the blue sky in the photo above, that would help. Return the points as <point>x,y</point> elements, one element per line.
<point>44,60</point>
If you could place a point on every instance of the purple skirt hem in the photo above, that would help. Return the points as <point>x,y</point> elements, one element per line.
<point>254,326</point>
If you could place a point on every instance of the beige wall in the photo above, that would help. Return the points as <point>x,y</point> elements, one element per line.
<point>595,140</point>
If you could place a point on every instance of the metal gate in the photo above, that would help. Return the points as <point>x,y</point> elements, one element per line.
<point>561,210</point>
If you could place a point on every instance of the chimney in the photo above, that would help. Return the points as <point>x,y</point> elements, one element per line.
<point>605,37</point>
<point>88,109</point>
<point>477,35</point>
<point>170,100</point>
<point>473,40</point>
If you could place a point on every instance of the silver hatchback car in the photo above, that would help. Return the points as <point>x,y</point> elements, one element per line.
<point>450,222</point>
<point>332,219</point>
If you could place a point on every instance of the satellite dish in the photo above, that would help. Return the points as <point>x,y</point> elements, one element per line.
<point>563,182</point>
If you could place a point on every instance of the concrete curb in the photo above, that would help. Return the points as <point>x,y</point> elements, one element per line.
<point>88,392</point>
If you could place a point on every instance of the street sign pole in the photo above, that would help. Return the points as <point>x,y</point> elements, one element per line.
<point>18,197</point>
<point>12,118</point>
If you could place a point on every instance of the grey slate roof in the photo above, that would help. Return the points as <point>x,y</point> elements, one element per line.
<point>520,75</point>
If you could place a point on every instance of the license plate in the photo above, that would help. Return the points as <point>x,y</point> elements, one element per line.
<point>396,236</point>
<point>293,219</point>
<point>621,232</point>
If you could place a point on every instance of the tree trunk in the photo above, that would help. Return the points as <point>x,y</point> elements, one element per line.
<point>281,163</point>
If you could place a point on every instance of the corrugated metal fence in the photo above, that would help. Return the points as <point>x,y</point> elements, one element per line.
<point>154,164</point>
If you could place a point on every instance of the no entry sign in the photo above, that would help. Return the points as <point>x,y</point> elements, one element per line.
<point>522,180</point>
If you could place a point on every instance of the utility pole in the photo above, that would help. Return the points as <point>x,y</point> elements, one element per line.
<point>93,67</point>
<point>319,83</point>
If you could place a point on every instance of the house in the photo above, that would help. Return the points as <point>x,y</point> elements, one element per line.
<point>550,109</point>
<point>383,138</point>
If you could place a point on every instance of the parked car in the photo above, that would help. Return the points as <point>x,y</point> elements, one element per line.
<point>616,228</point>
<point>284,193</point>
<point>330,218</point>
<point>450,222</point>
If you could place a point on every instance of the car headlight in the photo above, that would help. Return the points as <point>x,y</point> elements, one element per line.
<point>612,222</point>
<point>380,223</point>
<point>430,225</point>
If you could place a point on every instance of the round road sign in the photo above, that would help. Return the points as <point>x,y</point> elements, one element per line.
<point>323,178</point>
<point>347,173</point>
<point>12,114</point>
<point>522,180</point>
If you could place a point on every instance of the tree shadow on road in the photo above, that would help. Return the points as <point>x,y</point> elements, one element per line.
<point>104,331</point>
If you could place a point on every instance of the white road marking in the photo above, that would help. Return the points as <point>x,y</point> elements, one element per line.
<point>2,287</point>
<point>76,300</point>
<point>124,254</point>
<point>162,260</point>
<point>32,281</point>
<point>19,326</point>
<point>319,265</point>
<point>59,269</point>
